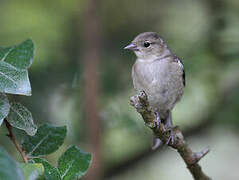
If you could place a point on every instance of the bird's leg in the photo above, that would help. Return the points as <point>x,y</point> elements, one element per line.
<point>169,124</point>
<point>158,120</point>
<point>157,141</point>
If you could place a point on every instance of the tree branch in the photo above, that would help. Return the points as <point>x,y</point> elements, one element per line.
<point>191,158</point>
<point>13,139</point>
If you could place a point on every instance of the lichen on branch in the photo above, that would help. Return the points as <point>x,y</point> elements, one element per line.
<point>191,159</point>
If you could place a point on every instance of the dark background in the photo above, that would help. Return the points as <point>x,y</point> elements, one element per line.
<point>81,77</point>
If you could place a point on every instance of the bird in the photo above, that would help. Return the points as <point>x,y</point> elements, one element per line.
<point>160,74</point>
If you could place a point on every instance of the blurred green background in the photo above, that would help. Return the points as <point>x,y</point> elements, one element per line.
<point>81,77</point>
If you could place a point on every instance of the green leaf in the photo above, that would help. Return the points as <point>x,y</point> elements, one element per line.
<point>13,80</point>
<point>10,169</point>
<point>50,172</point>
<point>20,117</point>
<point>47,140</point>
<point>73,163</point>
<point>20,56</point>
<point>4,107</point>
<point>4,52</point>
<point>32,171</point>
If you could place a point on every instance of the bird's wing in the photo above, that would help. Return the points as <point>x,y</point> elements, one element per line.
<point>181,65</point>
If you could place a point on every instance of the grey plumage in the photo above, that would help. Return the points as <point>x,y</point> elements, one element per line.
<point>162,80</point>
<point>158,72</point>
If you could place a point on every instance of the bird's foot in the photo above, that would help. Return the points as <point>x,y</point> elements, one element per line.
<point>169,125</point>
<point>171,136</point>
<point>157,142</point>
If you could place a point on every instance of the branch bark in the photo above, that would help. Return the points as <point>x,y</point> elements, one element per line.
<point>191,159</point>
<point>13,139</point>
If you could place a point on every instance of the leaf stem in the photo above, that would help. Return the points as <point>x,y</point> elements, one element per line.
<point>13,139</point>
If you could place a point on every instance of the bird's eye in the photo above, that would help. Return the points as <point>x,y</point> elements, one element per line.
<point>146,44</point>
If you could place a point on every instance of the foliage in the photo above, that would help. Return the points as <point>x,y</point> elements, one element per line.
<point>32,171</point>
<point>10,169</point>
<point>20,117</point>
<point>47,140</point>
<point>71,165</point>
<point>14,64</point>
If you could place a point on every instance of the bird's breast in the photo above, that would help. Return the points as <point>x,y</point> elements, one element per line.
<point>146,75</point>
<point>162,82</point>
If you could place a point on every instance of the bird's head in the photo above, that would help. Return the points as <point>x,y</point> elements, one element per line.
<point>148,46</point>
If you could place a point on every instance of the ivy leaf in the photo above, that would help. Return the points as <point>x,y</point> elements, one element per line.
<point>4,52</point>
<point>20,117</point>
<point>47,140</point>
<point>4,107</point>
<point>20,56</point>
<point>50,172</point>
<point>10,169</point>
<point>73,163</point>
<point>14,80</point>
<point>32,171</point>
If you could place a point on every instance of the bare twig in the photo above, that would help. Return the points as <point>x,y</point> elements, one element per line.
<point>201,154</point>
<point>191,158</point>
<point>13,139</point>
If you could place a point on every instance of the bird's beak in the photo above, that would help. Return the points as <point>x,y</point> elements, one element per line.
<point>131,47</point>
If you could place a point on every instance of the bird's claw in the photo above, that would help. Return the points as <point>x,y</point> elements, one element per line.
<point>171,137</point>
<point>169,127</point>
<point>156,144</point>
